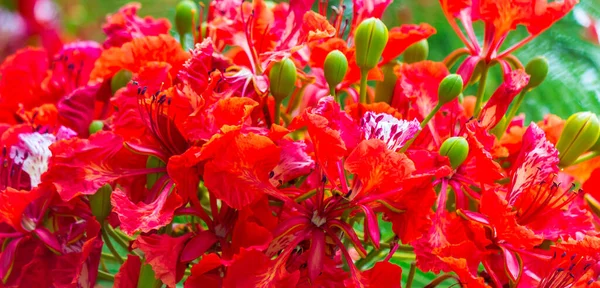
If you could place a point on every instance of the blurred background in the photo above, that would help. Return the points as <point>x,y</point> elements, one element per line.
<point>572,46</point>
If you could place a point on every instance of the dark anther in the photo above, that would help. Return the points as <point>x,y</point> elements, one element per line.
<point>271,174</point>
<point>587,266</point>
<point>71,66</point>
<point>573,257</point>
<point>324,179</point>
<point>139,91</point>
<point>348,194</point>
<point>560,269</point>
<point>144,89</point>
<point>564,254</point>
<point>571,267</point>
<point>135,82</point>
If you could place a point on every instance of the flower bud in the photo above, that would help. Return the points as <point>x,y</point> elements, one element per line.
<point>580,133</point>
<point>416,52</point>
<point>596,146</point>
<point>384,90</point>
<point>282,79</point>
<point>456,149</point>
<point>450,87</point>
<point>120,80</point>
<point>335,68</point>
<point>100,202</point>
<point>537,68</point>
<point>185,12</point>
<point>370,39</point>
<point>96,126</point>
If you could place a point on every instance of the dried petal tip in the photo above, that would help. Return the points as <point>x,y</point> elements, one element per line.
<point>120,80</point>
<point>184,16</point>
<point>456,149</point>
<point>282,79</point>
<point>100,202</point>
<point>580,133</point>
<point>416,52</point>
<point>450,88</point>
<point>96,126</point>
<point>370,39</point>
<point>335,68</point>
<point>537,68</point>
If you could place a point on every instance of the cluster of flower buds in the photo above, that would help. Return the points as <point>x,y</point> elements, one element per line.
<point>249,150</point>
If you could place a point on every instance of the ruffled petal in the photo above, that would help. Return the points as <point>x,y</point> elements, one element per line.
<point>125,25</point>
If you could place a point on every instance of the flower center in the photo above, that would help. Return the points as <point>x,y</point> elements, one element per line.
<point>318,220</point>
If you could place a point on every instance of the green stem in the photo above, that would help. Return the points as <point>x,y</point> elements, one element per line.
<point>109,244</point>
<point>586,157</point>
<point>105,276</point>
<point>305,196</point>
<point>511,113</point>
<point>108,256</point>
<point>374,254</point>
<point>404,257</point>
<point>437,281</point>
<point>332,93</point>
<point>277,112</point>
<point>103,265</point>
<point>182,40</point>
<point>411,275</point>
<point>423,124</point>
<point>481,90</point>
<point>116,237</point>
<point>124,236</point>
<point>363,86</point>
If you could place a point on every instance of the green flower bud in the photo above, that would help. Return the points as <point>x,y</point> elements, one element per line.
<point>596,146</point>
<point>456,149</point>
<point>185,12</point>
<point>537,68</point>
<point>96,126</point>
<point>384,90</point>
<point>282,79</point>
<point>100,202</point>
<point>580,133</point>
<point>450,87</point>
<point>120,80</point>
<point>335,68</point>
<point>416,52</point>
<point>370,39</point>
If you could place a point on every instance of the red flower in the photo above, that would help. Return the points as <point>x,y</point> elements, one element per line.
<point>22,74</point>
<point>145,217</point>
<point>497,106</point>
<point>164,262</point>
<point>499,17</point>
<point>125,25</point>
<point>238,166</point>
<point>136,54</point>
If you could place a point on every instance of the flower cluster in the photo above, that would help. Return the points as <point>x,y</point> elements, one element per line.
<point>250,151</point>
